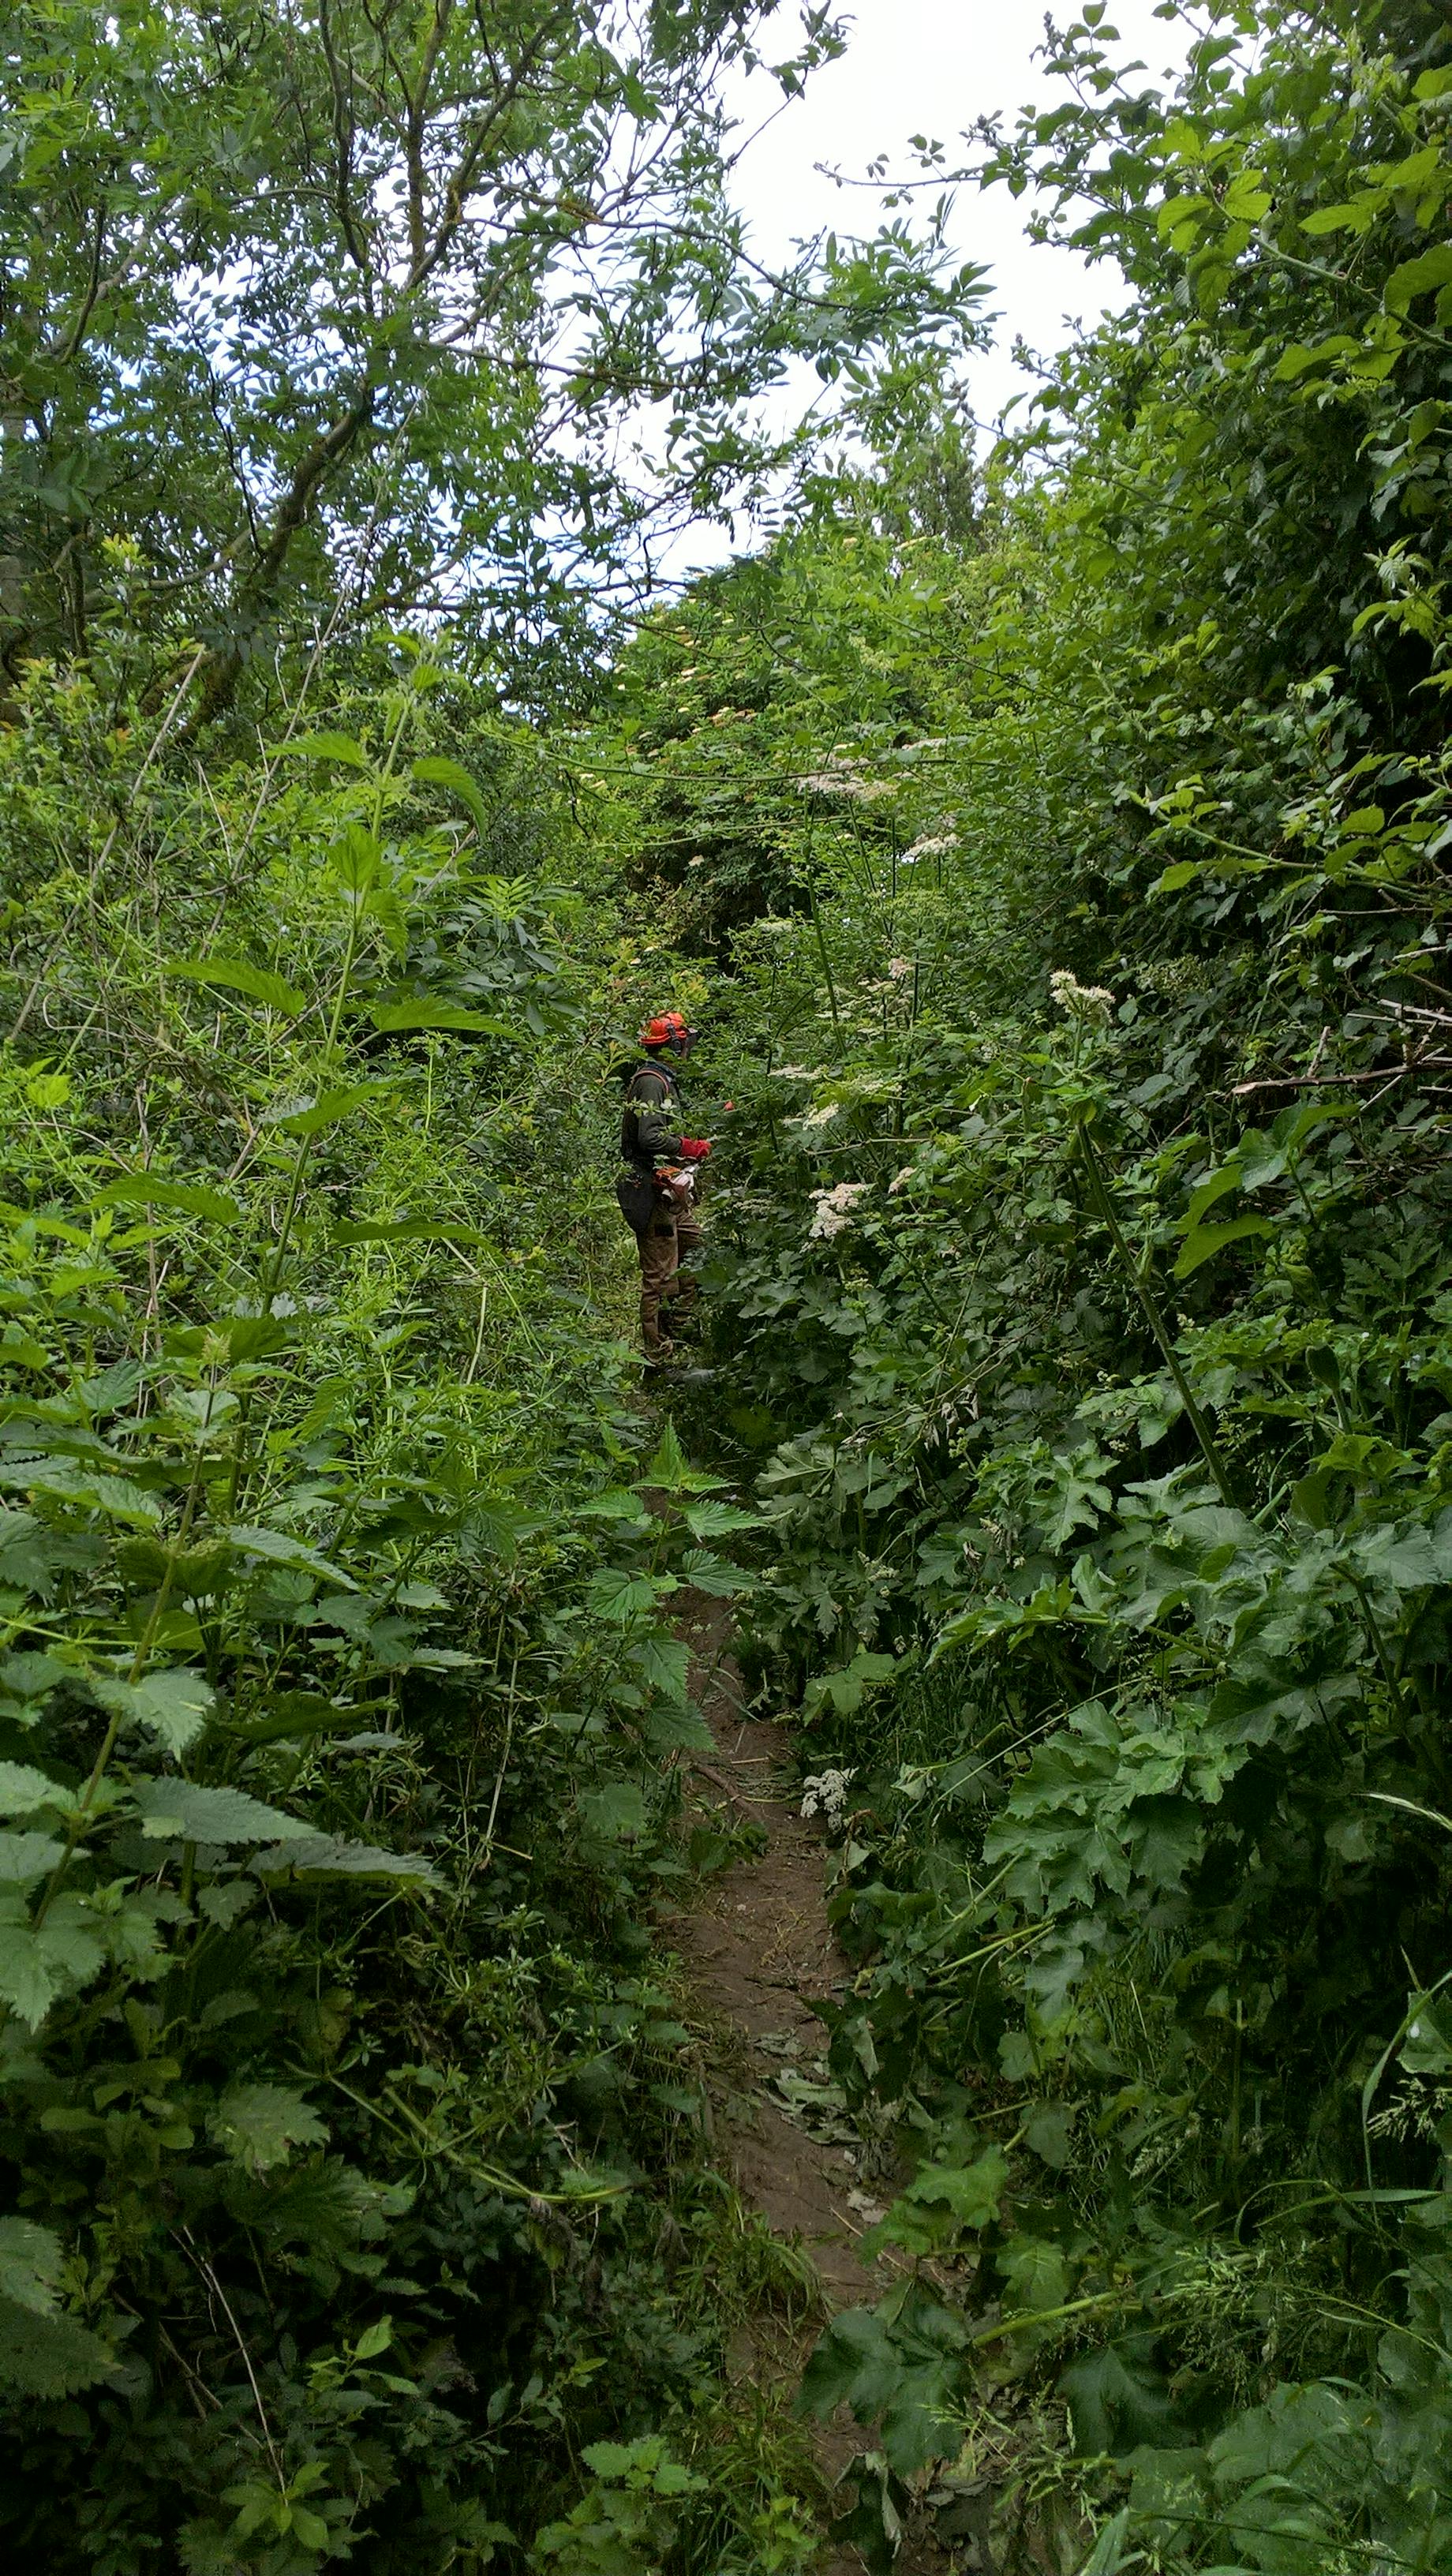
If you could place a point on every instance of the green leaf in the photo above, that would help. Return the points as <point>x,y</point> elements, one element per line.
<point>115,1497</point>
<point>234,974</point>
<point>716,1520</point>
<point>313,1115</point>
<point>355,859</point>
<point>408,1229</point>
<point>329,1856</point>
<point>27,1858</point>
<point>325,745</point>
<point>715,1575</point>
<point>614,1593</point>
<point>394,1016</point>
<point>618,1814</point>
<point>40,1962</point>
<point>31,2263</point>
<point>1417,276</point>
<point>1207,1240</point>
<point>173,1705</point>
<point>1183,873</point>
<point>434,770</point>
<point>22,1790</point>
<point>258,2125</point>
<point>181,1810</point>
<point>188,1198</point>
<point>49,2357</point>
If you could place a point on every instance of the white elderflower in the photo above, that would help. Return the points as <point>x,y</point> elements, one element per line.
<point>822,1117</point>
<point>1081,1001</point>
<point>936,846</point>
<point>792,1073</point>
<point>824,1794</point>
<point>901,1179</point>
<point>834,1208</point>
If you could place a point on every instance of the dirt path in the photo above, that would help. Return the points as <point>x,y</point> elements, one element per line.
<point>758,1951</point>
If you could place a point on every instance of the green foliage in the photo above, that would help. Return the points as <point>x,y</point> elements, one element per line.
<point>1084,1313</point>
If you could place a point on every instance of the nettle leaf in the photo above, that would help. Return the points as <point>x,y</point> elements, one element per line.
<point>235,975</point>
<point>614,1593</point>
<point>662,1663</point>
<point>323,745</point>
<point>310,1117</point>
<point>31,2262</point>
<point>181,1810</point>
<point>113,1496</point>
<point>23,1789</point>
<point>329,1856</point>
<point>174,1705</point>
<point>435,770</point>
<point>716,1520</point>
<point>617,1814</point>
<point>258,2125</point>
<point>27,1858</point>
<point>282,1547</point>
<point>392,1017</point>
<point>184,1198</point>
<point>716,1575</point>
<point>49,2357</point>
<point>40,1962</point>
<point>408,1229</point>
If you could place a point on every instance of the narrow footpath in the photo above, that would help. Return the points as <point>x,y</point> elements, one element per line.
<point>758,1952</point>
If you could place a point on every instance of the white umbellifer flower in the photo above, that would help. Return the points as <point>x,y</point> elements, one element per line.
<point>901,1179</point>
<point>897,967</point>
<point>824,1794</point>
<point>935,847</point>
<point>1081,1001</point>
<point>792,1073</point>
<point>821,1117</point>
<point>834,1208</point>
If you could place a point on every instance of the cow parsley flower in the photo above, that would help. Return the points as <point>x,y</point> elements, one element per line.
<point>1081,1001</point>
<point>834,1209</point>
<point>824,1794</point>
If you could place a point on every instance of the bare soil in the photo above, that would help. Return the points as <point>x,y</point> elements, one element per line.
<point>758,1952</point>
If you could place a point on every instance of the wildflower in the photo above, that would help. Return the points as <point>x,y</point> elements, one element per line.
<point>824,1794</point>
<point>897,967</point>
<point>792,1073</point>
<point>901,1179</point>
<point>821,1117</point>
<point>935,847</point>
<point>1081,1001</point>
<point>834,1209</point>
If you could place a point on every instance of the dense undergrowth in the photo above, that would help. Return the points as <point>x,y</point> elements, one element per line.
<point>357,2180</point>
<point>1056,849</point>
<point>1078,852</point>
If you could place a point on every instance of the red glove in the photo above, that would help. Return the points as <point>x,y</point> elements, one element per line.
<point>694,1149</point>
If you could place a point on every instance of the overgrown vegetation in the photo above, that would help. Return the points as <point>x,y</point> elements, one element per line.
<point>1078,849</point>
<point>1056,843</point>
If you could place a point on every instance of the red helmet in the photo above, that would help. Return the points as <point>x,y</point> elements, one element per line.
<point>667,1029</point>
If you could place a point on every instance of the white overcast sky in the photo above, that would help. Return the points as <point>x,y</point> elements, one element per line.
<point>928,67</point>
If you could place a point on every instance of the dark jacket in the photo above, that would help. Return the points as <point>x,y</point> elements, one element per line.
<point>650,1129</point>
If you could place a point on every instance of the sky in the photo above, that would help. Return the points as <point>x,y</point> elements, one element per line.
<point>926,67</point>
<point>932,67</point>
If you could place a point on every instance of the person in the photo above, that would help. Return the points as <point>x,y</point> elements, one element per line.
<point>657,1189</point>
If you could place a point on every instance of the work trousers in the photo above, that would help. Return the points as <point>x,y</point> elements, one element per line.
<point>667,1244</point>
